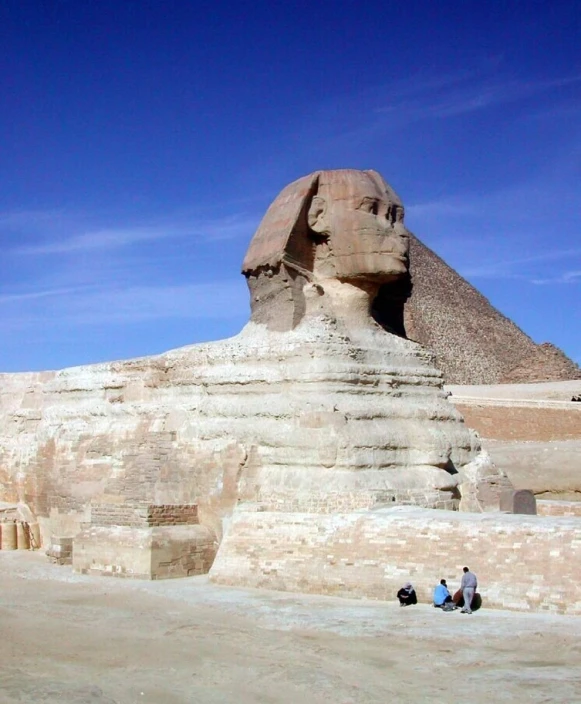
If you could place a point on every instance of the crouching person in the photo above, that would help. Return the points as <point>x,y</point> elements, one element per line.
<point>407,595</point>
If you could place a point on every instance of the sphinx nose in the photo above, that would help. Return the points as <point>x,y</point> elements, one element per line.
<point>399,242</point>
<point>400,229</point>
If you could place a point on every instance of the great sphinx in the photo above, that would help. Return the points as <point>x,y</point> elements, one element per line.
<point>328,268</point>
<point>319,404</point>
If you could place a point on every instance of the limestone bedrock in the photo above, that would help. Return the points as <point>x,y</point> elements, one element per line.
<point>320,404</point>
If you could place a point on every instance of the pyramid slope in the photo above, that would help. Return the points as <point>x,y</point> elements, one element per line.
<point>472,341</point>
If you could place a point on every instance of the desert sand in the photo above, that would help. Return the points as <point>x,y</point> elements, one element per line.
<point>75,639</point>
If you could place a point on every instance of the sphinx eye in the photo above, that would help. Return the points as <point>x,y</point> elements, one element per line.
<point>370,206</point>
<point>394,214</point>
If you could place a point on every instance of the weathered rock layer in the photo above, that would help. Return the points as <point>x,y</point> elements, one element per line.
<point>308,421</point>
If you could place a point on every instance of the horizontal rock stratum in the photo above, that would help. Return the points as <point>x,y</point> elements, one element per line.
<point>319,405</point>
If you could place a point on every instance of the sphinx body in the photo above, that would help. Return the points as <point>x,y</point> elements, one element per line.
<point>320,404</point>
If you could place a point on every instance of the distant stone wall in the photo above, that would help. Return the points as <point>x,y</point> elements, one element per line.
<point>522,562</point>
<point>559,508</point>
<point>338,502</point>
<point>521,422</point>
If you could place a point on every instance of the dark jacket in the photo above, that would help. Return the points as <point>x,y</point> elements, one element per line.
<point>406,597</point>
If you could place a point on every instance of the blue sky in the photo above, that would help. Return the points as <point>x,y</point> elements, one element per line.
<point>141,142</point>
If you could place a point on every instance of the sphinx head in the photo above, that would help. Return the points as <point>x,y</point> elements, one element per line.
<point>328,228</point>
<point>360,221</point>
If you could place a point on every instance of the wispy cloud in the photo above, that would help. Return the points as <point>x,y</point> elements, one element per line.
<point>222,228</point>
<point>386,108</point>
<point>114,306</point>
<point>221,299</point>
<point>444,208</point>
<point>35,295</point>
<point>101,239</point>
<point>568,277</point>
<point>465,92</point>
<point>66,276</point>
<point>515,267</point>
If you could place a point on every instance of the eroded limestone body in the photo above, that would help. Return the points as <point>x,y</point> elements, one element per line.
<point>319,405</point>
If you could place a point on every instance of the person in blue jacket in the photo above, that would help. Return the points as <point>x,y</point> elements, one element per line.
<point>442,595</point>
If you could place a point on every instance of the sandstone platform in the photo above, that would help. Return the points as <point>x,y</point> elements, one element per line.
<point>528,563</point>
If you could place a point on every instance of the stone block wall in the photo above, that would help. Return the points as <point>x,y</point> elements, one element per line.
<point>174,555</point>
<point>506,421</point>
<point>338,502</point>
<point>60,550</point>
<point>147,541</point>
<point>142,515</point>
<point>559,508</point>
<point>144,553</point>
<point>522,562</point>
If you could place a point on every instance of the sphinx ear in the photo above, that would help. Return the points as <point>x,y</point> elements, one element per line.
<point>317,215</point>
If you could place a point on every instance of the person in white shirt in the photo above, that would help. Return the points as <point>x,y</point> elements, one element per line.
<point>468,586</point>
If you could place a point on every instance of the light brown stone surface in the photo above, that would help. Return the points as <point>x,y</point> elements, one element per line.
<point>550,469</point>
<point>522,562</point>
<point>144,553</point>
<point>497,421</point>
<point>538,391</point>
<point>546,507</point>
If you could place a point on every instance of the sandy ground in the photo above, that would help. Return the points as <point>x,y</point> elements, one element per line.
<point>74,639</point>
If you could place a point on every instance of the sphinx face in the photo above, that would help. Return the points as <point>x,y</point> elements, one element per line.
<point>364,221</point>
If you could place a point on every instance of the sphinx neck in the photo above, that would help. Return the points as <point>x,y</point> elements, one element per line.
<point>350,302</point>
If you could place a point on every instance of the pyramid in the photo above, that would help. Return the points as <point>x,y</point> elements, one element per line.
<point>473,342</point>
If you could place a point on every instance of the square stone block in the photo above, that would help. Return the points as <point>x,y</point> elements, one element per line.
<point>60,550</point>
<point>144,553</point>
